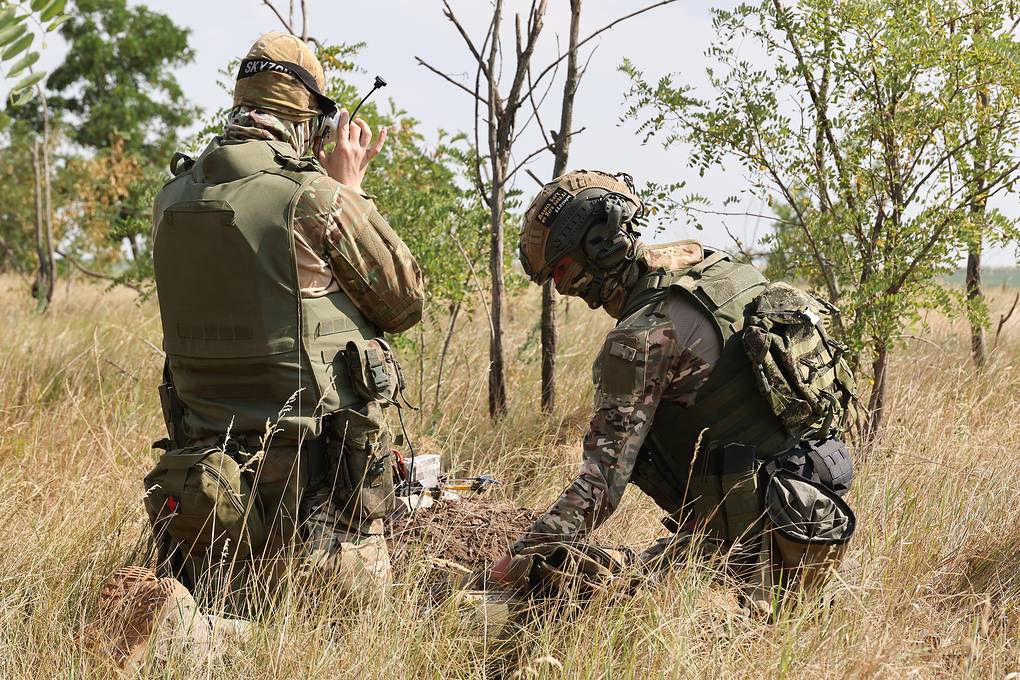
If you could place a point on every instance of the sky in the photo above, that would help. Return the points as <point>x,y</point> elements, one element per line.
<point>669,39</point>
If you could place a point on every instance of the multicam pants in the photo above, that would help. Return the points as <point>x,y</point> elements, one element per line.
<point>354,557</point>
<point>306,538</point>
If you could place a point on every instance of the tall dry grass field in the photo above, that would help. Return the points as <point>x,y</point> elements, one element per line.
<point>933,588</point>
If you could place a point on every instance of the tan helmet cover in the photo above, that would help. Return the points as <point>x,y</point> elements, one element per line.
<point>279,93</point>
<point>539,250</point>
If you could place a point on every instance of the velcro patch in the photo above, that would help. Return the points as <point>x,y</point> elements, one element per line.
<point>559,199</point>
<point>618,349</point>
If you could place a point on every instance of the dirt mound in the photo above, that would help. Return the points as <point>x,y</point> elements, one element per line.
<point>473,532</point>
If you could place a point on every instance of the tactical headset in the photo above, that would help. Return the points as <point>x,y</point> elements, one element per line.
<point>325,124</point>
<point>594,226</point>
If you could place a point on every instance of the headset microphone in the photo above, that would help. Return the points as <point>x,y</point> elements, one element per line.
<point>379,82</point>
<point>328,124</point>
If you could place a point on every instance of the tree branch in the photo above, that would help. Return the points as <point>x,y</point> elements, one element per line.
<point>1003,318</point>
<point>823,119</point>
<point>547,147</point>
<point>98,275</point>
<point>513,98</point>
<point>605,28</point>
<point>286,24</point>
<point>448,13</point>
<point>446,77</point>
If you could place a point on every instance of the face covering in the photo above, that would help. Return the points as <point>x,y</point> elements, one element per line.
<point>248,123</point>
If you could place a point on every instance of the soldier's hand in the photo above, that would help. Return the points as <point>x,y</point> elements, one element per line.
<point>353,152</point>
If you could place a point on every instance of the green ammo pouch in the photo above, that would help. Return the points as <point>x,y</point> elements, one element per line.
<point>359,449</point>
<point>373,369</point>
<point>809,525</point>
<point>201,499</point>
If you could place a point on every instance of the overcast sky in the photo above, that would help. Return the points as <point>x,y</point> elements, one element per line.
<point>668,39</point>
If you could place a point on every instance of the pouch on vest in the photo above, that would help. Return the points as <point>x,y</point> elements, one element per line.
<point>359,449</point>
<point>373,369</point>
<point>201,499</point>
<point>799,369</point>
<point>809,526</point>
<point>725,494</point>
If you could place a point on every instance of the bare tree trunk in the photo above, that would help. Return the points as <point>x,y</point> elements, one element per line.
<point>876,402</point>
<point>548,346</point>
<point>46,279</point>
<point>41,286</point>
<point>973,287</point>
<point>978,208</point>
<point>562,150</point>
<point>133,246</point>
<point>450,327</point>
<point>497,369</point>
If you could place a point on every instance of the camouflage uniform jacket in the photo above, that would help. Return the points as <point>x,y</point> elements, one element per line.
<point>341,241</point>
<point>662,352</point>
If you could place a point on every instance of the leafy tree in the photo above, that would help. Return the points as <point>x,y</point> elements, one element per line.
<point>860,116</point>
<point>17,204</point>
<point>119,99</point>
<point>117,79</point>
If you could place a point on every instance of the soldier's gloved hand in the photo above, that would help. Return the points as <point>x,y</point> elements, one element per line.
<point>353,152</point>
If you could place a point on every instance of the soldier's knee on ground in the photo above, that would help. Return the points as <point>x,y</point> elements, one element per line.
<point>357,561</point>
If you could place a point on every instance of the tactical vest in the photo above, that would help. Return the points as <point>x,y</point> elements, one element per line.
<point>243,346</point>
<point>729,407</point>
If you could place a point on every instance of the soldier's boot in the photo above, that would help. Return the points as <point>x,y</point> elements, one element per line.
<point>139,614</point>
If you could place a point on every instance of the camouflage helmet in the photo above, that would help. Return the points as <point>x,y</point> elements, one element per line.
<point>580,214</point>
<point>275,90</point>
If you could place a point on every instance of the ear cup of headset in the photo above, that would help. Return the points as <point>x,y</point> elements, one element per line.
<point>607,243</point>
<point>606,247</point>
<point>324,129</point>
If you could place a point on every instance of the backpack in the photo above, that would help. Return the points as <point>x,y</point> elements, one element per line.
<point>801,371</point>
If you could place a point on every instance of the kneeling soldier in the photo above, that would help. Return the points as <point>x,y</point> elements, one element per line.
<point>276,277</point>
<point>717,393</point>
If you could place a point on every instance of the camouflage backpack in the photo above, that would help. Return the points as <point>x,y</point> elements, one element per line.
<point>801,371</point>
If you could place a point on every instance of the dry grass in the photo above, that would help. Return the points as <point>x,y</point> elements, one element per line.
<point>935,590</point>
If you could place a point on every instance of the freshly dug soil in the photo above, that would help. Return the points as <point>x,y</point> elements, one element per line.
<point>472,532</point>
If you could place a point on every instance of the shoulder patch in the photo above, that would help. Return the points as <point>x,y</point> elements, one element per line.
<point>623,364</point>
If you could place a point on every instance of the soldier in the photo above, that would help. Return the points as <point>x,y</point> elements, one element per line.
<point>717,393</point>
<point>276,276</point>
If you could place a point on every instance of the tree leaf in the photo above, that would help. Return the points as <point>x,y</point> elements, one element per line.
<point>28,82</point>
<point>23,64</point>
<point>8,17</point>
<point>18,46</point>
<point>12,33</point>
<point>23,98</point>
<point>53,9</point>
<point>38,5</point>
<point>55,24</point>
